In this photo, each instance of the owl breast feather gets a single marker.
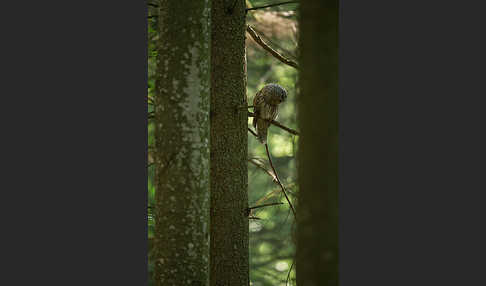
(269, 112)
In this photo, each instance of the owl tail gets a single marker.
(262, 128)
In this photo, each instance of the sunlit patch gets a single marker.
(265, 248)
(280, 146)
(255, 226)
(281, 266)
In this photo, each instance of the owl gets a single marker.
(265, 104)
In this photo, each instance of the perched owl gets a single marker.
(265, 104)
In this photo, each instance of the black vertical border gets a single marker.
(74, 143)
(412, 143)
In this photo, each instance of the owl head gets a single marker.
(274, 93)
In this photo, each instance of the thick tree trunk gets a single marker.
(182, 100)
(229, 169)
(317, 214)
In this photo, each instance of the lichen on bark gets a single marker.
(182, 144)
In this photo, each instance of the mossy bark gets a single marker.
(229, 169)
(182, 99)
(317, 105)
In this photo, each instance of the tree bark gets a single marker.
(229, 151)
(182, 99)
(317, 103)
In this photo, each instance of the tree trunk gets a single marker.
(317, 103)
(229, 169)
(182, 100)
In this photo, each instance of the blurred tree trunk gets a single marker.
(317, 103)
(182, 98)
(229, 154)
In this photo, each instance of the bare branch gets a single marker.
(278, 180)
(250, 209)
(252, 132)
(270, 5)
(272, 193)
(277, 46)
(265, 205)
(288, 274)
(260, 165)
(276, 123)
(264, 45)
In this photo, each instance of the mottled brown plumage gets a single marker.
(265, 104)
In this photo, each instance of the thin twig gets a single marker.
(260, 165)
(151, 115)
(269, 195)
(265, 205)
(270, 42)
(278, 180)
(288, 275)
(253, 217)
(264, 45)
(153, 5)
(270, 5)
(252, 132)
(276, 123)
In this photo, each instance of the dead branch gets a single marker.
(278, 181)
(288, 274)
(276, 123)
(252, 132)
(250, 209)
(264, 45)
(260, 165)
(265, 205)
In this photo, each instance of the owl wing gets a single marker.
(257, 103)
